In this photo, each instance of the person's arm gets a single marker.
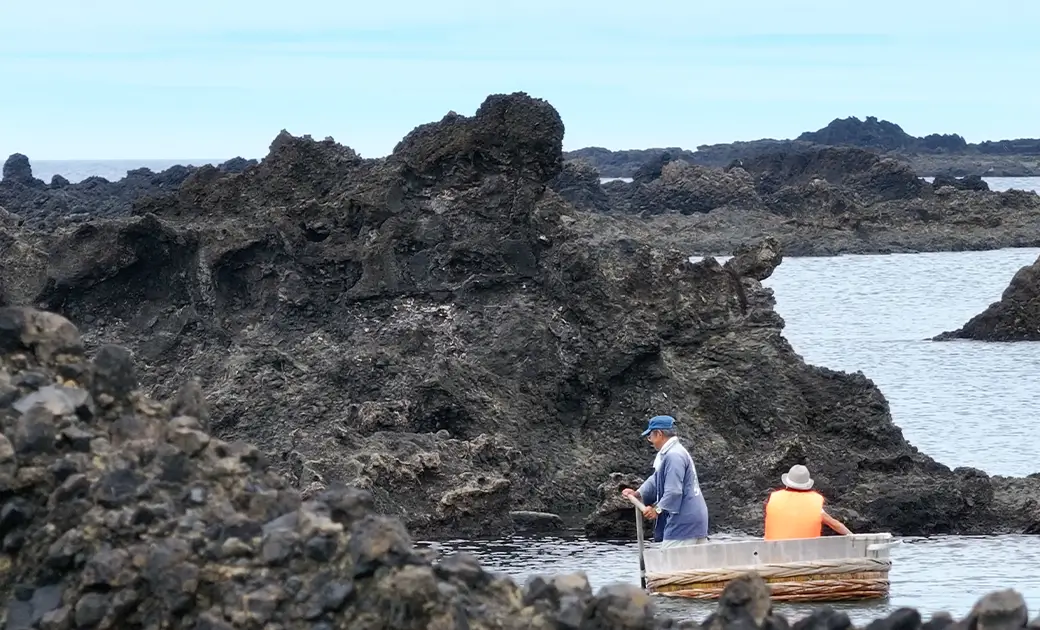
(835, 524)
(647, 492)
(671, 494)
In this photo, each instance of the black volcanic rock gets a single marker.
(675, 186)
(930, 155)
(652, 168)
(971, 182)
(879, 135)
(818, 201)
(579, 184)
(874, 178)
(625, 162)
(18, 171)
(119, 514)
(62, 202)
(756, 262)
(441, 329)
(1015, 317)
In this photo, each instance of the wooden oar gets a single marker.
(639, 535)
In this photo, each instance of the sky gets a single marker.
(125, 79)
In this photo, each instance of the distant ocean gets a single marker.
(112, 170)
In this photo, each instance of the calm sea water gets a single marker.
(965, 403)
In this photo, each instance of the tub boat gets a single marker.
(824, 569)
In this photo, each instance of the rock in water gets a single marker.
(1015, 317)
(615, 516)
(441, 329)
(1001, 610)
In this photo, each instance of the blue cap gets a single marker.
(659, 422)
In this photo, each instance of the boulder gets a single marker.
(18, 171)
(756, 261)
(615, 518)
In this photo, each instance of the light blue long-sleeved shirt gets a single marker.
(674, 488)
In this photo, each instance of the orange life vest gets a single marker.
(792, 514)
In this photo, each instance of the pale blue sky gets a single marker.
(216, 78)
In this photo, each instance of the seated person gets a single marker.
(797, 510)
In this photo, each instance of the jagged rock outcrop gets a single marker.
(579, 184)
(756, 262)
(880, 135)
(1015, 317)
(46, 206)
(119, 514)
(121, 511)
(441, 329)
(868, 176)
(614, 517)
(626, 162)
(675, 186)
(819, 201)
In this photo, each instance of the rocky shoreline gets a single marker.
(445, 331)
(815, 202)
(46, 205)
(930, 156)
(121, 511)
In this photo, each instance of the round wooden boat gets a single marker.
(823, 569)
(829, 568)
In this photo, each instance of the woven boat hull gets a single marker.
(795, 570)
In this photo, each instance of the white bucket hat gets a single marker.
(797, 478)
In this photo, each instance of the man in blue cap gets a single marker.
(672, 494)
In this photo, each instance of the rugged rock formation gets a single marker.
(1015, 317)
(614, 518)
(123, 512)
(973, 182)
(578, 184)
(683, 188)
(931, 155)
(880, 135)
(443, 330)
(59, 202)
(864, 173)
(626, 162)
(770, 180)
(819, 202)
